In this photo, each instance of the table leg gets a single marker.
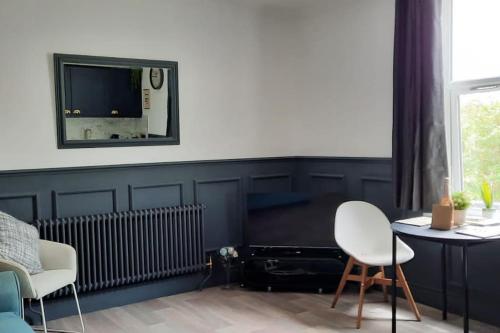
(444, 282)
(466, 287)
(394, 287)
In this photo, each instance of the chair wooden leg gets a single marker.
(384, 287)
(343, 280)
(407, 291)
(362, 289)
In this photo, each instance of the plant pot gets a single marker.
(488, 213)
(459, 217)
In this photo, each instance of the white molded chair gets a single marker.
(59, 264)
(365, 234)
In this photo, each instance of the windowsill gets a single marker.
(476, 209)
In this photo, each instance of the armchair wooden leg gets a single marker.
(407, 291)
(362, 289)
(384, 287)
(343, 280)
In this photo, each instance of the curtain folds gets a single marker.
(419, 140)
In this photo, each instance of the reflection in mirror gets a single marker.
(116, 104)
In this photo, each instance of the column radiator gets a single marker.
(118, 249)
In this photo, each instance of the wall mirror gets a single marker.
(107, 102)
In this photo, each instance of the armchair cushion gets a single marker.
(19, 242)
(59, 264)
(10, 323)
(10, 297)
(55, 255)
(27, 289)
(10, 305)
(50, 281)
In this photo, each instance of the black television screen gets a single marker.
(292, 219)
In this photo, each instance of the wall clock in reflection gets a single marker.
(156, 77)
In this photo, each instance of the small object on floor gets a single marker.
(228, 254)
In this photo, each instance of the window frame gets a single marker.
(458, 89)
(452, 92)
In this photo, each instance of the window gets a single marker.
(474, 91)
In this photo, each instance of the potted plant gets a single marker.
(460, 204)
(487, 196)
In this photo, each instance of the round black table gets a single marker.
(449, 237)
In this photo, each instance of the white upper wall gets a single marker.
(216, 42)
(347, 78)
(256, 78)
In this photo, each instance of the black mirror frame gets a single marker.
(173, 137)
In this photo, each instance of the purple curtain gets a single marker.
(418, 141)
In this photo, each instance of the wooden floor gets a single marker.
(238, 310)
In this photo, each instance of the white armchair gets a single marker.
(60, 268)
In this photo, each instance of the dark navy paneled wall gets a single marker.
(222, 185)
(367, 179)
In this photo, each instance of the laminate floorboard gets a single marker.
(243, 311)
